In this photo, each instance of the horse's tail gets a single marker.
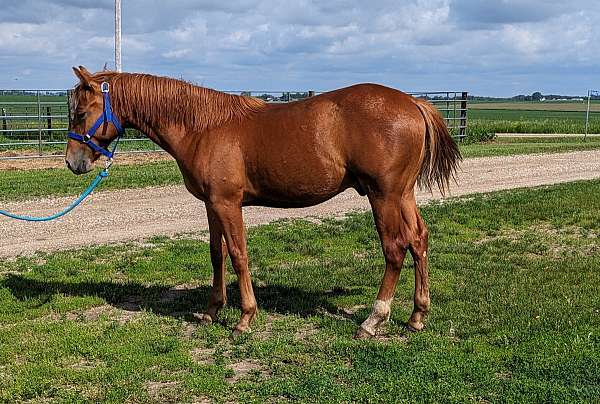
(442, 155)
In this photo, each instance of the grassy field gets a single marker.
(133, 142)
(32, 98)
(28, 184)
(532, 117)
(14, 137)
(560, 106)
(515, 313)
(515, 146)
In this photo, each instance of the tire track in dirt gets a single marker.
(118, 216)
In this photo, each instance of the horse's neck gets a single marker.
(176, 114)
(168, 135)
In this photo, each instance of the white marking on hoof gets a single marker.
(379, 315)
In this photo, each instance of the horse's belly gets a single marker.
(298, 186)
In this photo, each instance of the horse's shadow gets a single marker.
(179, 301)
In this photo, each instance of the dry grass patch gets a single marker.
(203, 356)
(244, 368)
(559, 241)
(163, 391)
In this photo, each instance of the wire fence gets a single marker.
(34, 123)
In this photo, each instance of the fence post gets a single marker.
(462, 132)
(587, 115)
(49, 122)
(4, 122)
(39, 105)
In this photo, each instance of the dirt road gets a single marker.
(118, 216)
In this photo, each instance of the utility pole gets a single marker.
(118, 66)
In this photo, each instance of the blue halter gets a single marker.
(106, 117)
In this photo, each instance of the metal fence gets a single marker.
(33, 123)
(453, 107)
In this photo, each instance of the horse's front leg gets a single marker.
(229, 216)
(218, 257)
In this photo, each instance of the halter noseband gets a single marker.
(106, 117)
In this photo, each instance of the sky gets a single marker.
(495, 48)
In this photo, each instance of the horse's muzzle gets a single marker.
(81, 167)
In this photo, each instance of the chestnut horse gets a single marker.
(236, 151)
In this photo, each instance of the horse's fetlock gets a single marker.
(422, 304)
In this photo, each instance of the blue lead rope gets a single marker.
(102, 175)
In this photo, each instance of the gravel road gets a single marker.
(117, 216)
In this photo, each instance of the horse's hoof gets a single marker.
(237, 332)
(413, 327)
(203, 318)
(361, 333)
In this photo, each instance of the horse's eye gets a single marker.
(80, 116)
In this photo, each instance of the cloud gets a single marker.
(488, 47)
(177, 53)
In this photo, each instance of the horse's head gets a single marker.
(87, 107)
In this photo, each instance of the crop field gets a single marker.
(515, 313)
(558, 106)
(532, 117)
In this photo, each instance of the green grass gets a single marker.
(515, 146)
(530, 121)
(28, 184)
(580, 106)
(132, 141)
(515, 313)
(31, 98)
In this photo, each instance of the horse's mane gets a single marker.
(167, 100)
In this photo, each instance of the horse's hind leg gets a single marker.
(390, 226)
(418, 250)
(400, 228)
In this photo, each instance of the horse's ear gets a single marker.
(85, 71)
(83, 75)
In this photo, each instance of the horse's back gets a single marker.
(305, 152)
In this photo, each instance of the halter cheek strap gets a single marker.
(106, 117)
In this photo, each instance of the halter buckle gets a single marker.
(104, 87)
(87, 138)
(108, 163)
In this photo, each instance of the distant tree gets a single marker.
(536, 96)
